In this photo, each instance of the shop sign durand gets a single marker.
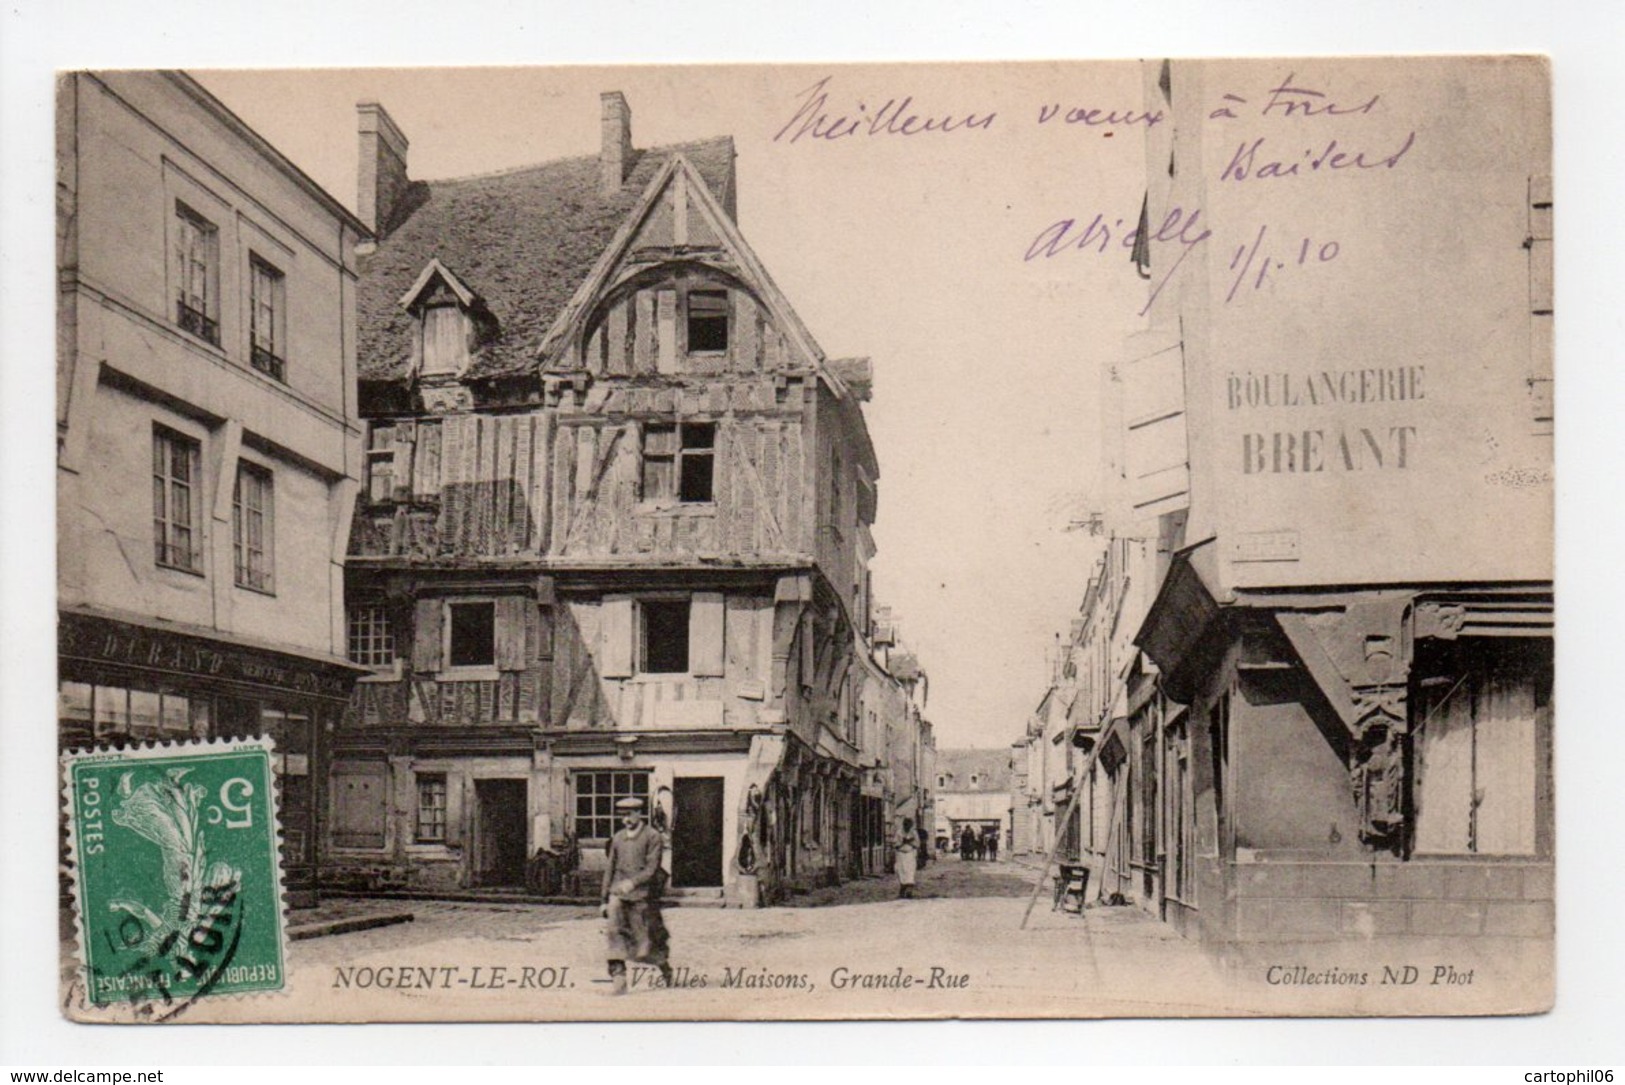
(95, 640)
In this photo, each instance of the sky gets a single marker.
(910, 250)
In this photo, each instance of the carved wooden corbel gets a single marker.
(1360, 659)
(1443, 621)
(1377, 763)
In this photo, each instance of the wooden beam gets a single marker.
(1319, 665)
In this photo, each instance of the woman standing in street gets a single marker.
(908, 855)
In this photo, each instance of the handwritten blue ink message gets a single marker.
(1266, 253)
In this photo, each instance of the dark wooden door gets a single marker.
(500, 849)
(696, 841)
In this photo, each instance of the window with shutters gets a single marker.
(663, 643)
(662, 635)
(679, 462)
(471, 634)
(403, 462)
(359, 810)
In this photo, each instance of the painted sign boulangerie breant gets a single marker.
(478, 601)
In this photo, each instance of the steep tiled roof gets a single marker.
(990, 767)
(522, 240)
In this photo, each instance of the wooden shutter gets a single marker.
(542, 618)
(454, 809)
(380, 462)
(511, 632)
(405, 437)
(541, 635)
(615, 638)
(1156, 459)
(359, 805)
(426, 636)
(705, 631)
(426, 463)
(1540, 303)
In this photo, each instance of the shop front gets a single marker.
(124, 681)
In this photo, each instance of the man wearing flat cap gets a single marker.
(633, 882)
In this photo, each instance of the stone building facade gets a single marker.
(208, 449)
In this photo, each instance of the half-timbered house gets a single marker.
(613, 535)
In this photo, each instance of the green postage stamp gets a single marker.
(176, 874)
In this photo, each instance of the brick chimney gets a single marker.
(381, 174)
(615, 153)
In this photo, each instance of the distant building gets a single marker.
(208, 453)
(973, 791)
(896, 745)
(613, 539)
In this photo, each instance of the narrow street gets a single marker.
(956, 950)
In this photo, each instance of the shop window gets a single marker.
(267, 308)
(707, 321)
(431, 821)
(1476, 758)
(371, 640)
(197, 274)
(73, 701)
(664, 636)
(596, 795)
(119, 712)
(679, 462)
(471, 634)
(111, 711)
(174, 501)
(251, 527)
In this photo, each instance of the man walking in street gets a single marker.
(633, 884)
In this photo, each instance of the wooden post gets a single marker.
(1077, 790)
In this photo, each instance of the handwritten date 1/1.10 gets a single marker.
(1251, 263)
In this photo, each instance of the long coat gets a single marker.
(636, 929)
(634, 860)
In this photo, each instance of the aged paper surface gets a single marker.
(1193, 659)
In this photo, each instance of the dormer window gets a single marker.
(707, 321)
(445, 336)
(452, 321)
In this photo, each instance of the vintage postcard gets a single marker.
(991, 540)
